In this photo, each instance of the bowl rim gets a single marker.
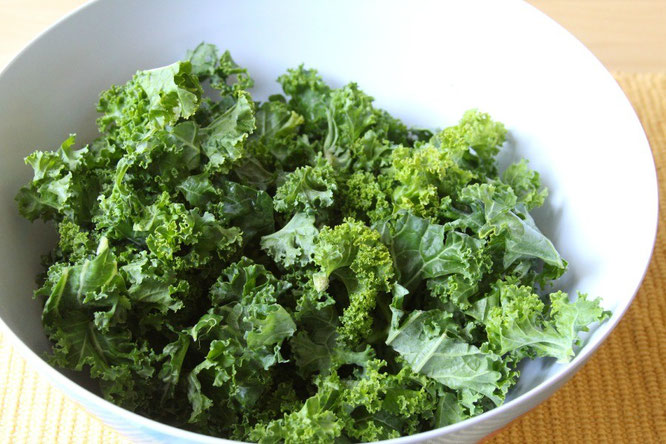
(66, 385)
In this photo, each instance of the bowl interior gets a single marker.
(425, 62)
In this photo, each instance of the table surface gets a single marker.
(626, 35)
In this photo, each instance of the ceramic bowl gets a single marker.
(425, 62)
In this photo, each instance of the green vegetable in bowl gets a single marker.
(306, 269)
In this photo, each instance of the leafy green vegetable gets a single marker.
(430, 347)
(422, 250)
(294, 243)
(307, 269)
(521, 325)
(355, 255)
(308, 188)
(223, 138)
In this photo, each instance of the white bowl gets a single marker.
(425, 62)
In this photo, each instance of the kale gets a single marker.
(307, 269)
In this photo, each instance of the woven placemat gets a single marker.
(619, 396)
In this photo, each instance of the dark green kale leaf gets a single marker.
(421, 250)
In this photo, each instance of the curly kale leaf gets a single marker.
(354, 254)
(223, 139)
(431, 349)
(308, 188)
(522, 325)
(495, 213)
(421, 250)
(247, 208)
(243, 331)
(525, 184)
(61, 188)
(473, 143)
(294, 243)
(308, 97)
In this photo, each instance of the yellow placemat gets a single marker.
(619, 396)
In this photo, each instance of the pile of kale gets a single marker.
(304, 269)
